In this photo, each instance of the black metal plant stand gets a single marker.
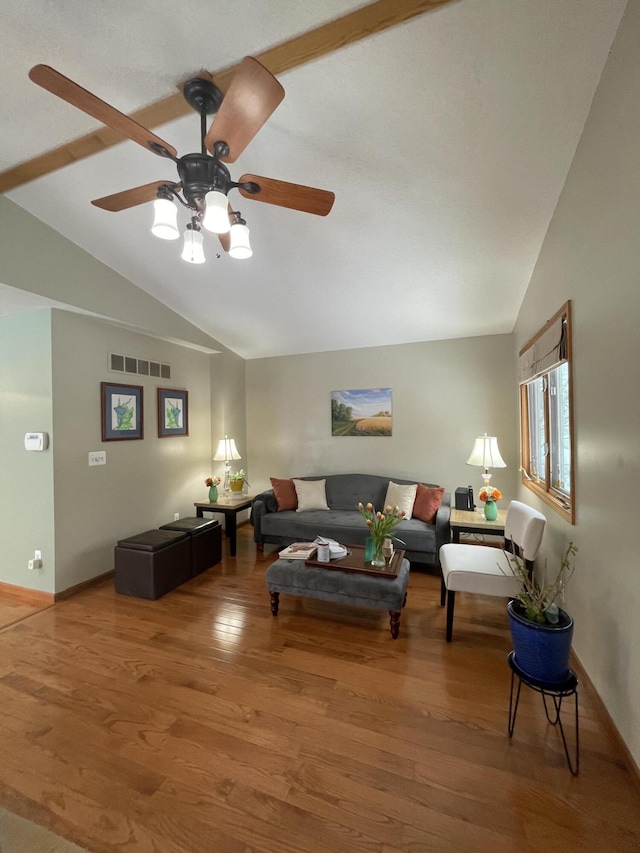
(554, 691)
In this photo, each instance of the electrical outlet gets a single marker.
(97, 457)
(37, 554)
(176, 516)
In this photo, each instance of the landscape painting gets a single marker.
(361, 412)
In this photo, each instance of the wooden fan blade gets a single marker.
(131, 198)
(59, 85)
(295, 196)
(253, 96)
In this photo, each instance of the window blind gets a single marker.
(546, 352)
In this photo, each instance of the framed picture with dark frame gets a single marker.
(173, 412)
(121, 410)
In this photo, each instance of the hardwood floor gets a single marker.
(200, 723)
(15, 606)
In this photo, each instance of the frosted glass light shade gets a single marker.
(216, 215)
(485, 453)
(165, 222)
(193, 251)
(240, 247)
(226, 450)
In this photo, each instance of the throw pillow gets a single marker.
(285, 493)
(427, 501)
(401, 496)
(311, 494)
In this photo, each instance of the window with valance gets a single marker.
(546, 414)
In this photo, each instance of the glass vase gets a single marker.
(378, 556)
(213, 494)
(491, 510)
(369, 549)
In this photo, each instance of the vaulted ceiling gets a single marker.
(446, 138)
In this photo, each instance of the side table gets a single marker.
(555, 692)
(466, 521)
(229, 507)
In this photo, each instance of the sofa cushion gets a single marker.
(285, 492)
(427, 502)
(400, 496)
(312, 495)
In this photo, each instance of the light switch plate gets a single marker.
(97, 457)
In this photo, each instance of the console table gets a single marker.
(229, 507)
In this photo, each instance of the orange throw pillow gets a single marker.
(427, 502)
(285, 492)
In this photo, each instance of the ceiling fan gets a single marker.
(204, 180)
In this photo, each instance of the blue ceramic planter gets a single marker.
(542, 651)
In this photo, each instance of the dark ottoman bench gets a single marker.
(205, 536)
(152, 563)
(359, 590)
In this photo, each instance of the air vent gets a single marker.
(139, 366)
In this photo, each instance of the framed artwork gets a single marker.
(173, 412)
(121, 407)
(361, 412)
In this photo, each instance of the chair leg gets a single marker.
(443, 591)
(451, 603)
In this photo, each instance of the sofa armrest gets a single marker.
(443, 531)
(262, 504)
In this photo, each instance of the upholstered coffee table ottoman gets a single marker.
(377, 591)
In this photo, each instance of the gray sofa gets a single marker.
(343, 520)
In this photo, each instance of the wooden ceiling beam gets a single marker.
(370, 19)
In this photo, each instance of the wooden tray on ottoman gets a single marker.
(355, 563)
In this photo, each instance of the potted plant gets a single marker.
(541, 631)
(237, 481)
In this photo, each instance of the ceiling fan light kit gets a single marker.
(239, 247)
(193, 248)
(204, 179)
(165, 222)
(216, 215)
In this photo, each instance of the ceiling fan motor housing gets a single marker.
(200, 173)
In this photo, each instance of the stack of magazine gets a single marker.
(299, 551)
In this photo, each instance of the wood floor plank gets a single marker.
(199, 722)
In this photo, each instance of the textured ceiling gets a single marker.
(447, 140)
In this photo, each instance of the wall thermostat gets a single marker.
(36, 441)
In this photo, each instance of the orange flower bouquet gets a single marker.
(490, 493)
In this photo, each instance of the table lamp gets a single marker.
(226, 450)
(485, 454)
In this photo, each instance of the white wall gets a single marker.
(26, 478)
(444, 393)
(592, 255)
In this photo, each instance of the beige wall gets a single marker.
(592, 255)
(144, 482)
(444, 393)
(52, 363)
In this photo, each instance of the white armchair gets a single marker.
(485, 570)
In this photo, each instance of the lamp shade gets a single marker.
(193, 250)
(239, 246)
(165, 222)
(485, 453)
(216, 215)
(226, 450)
